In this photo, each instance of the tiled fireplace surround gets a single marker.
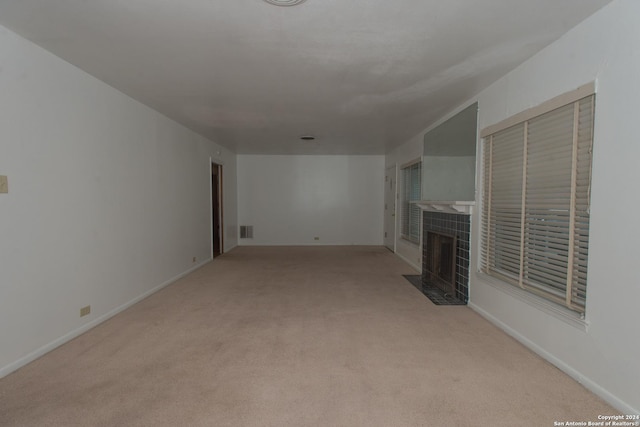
(453, 224)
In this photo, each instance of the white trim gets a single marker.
(554, 309)
(405, 259)
(395, 210)
(211, 203)
(14, 366)
(588, 383)
(448, 206)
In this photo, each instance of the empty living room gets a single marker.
(319, 213)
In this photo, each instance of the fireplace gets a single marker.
(446, 234)
(440, 261)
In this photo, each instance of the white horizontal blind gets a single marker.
(411, 193)
(504, 213)
(536, 203)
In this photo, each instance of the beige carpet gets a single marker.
(313, 336)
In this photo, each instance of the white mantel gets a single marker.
(447, 206)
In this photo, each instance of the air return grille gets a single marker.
(246, 231)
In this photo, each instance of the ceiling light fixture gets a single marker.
(284, 2)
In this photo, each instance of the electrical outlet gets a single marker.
(4, 184)
(316, 238)
(84, 311)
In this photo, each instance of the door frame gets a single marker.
(219, 165)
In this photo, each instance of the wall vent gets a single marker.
(246, 231)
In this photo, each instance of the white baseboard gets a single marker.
(592, 386)
(230, 248)
(412, 264)
(14, 366)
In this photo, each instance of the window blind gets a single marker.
(411, 193)
(535, 214)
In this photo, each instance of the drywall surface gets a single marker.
(409, 151)
(291, 200)
(605, 48)
(108, 200)
(448, 177)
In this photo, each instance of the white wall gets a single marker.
(107, 201)
(605, 357)
(448, 177)
(290, 200)
(407, 152)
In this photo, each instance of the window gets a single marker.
(535, 205)
(411, 192)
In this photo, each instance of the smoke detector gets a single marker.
(284, 2)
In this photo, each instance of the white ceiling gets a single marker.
(361, 75)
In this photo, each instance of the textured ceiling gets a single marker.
(361, 75)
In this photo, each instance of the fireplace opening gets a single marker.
(440, 262)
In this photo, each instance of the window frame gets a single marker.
(487, 258)
(408, 198)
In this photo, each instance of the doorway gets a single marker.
(390, 208)
(216, 210)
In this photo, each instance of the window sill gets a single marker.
(409, 242)
(559, 312)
